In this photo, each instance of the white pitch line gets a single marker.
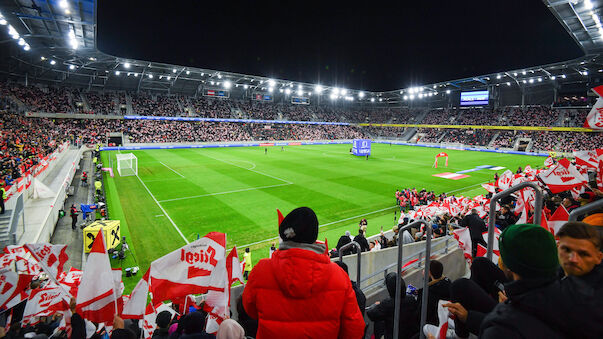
(171, 169)
(323, 225)
(252, 170)
(162, 209)
(225, 192)
(463, 188)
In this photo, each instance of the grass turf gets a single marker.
(237, 191)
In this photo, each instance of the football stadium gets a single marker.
(152, 192)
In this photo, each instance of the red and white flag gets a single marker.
(96, 297)
(71, 280)
(50, 257)
(549, 161)
(558, 219)
(562, 177)
(19, 250)
(482, 251)
(11, 284)
(190, 269)
(25, 266)
(150, 315)
(505, 180)
(135, 307)
(587, 158)
(464, 238)
(45, 301)
(594, 119)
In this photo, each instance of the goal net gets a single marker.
(127, 164)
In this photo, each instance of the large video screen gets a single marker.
(474, 98)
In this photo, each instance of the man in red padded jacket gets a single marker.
(299, 293)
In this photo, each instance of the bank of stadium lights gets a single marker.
(361, 94)
(227, 84)
(447, 91)
(333, 96)
(524, 73)
(174, 70)
(514, 74)
(117, 73)
(318, 89)
(271, 83)
(335, 91)
(169, 78)
(588, 4)
(188, 72)
(271, 89)
(288, 91)
(499, 76)
(563, 76)
(126, 65)
(300, 92)
(585, 73)
(372, 99)
(411, 97)
(150, 76)
(508, 83)
(72, 67)
(280, 90)
(343, 91)
(539, 79)
(531, 81)
(552, 77)
(52, 62)
(524, 81)
(245, 86)
(405, 97)
(136, 75)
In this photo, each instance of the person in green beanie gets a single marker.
(535, 306)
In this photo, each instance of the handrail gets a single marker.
(505, 193)
(14, 220)
(428, 232)
(359, 252)
(585, 209)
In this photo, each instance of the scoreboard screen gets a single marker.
(474, 98)
(262, 97)
(216, 93)
(300, 100)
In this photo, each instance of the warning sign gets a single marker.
(111, 232)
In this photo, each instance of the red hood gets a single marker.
(299, 272)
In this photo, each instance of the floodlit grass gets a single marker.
(237, 191)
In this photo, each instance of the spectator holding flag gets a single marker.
(299, 292)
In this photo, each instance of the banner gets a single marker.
(594, 119)
(111, 234)
(361, 147)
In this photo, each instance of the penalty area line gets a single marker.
(163, 210)
(171, 169)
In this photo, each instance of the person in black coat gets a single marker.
(360, 297)
(361, 240)
(439, 289)
(384, 310)
(162, 320)
(344, 240)
(476, 227)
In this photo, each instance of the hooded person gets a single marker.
(193, 325)
(299, 292)
(162, 320)
(383, 311)
(230, 329)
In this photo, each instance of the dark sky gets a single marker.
(372, 46)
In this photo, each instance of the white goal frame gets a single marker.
(127, 164)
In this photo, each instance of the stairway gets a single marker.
(493, 139)
(5, 228)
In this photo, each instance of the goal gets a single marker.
(127, 164)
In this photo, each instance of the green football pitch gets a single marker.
(185, 193)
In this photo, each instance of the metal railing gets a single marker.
(17, 217)
(359, 253)
(585, 209)
(503, 194)
(428, 233)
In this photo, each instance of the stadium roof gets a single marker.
(55, 40)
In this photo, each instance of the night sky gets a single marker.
(372, 46)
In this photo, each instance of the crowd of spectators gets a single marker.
(100, 103)
(505, 139)
(430, 134)
(210, 107)
(478, 137)
(156, 104)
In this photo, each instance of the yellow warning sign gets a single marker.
(110, 231)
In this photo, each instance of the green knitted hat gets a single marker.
(529, 250)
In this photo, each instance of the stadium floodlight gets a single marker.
(588, 4)
(129, 73)
(498, 76)
(117, 72)
(21, 42)
(42, 58)
(127, 164)
(412, 97)
(271, 83)
(420, 95)
(563, 76)
(372, 99)
(435, 93)
(524, 81)
(508, 83)
(405, 97)
(343, 91)
(531, 81)
(380, 99)
(72, 67)
(280, 90)
(127, 65)
(585, 73)
(219, 76)
(174, 71)
(188, 72)
(420, 89)
(447, 91)
(300, 92)
(299, 86)
(288, 91)
(169, 78)
(271, 89)
(150, 76)
(430, 94)
(361, 94)
(136, 75)
(523, 72)
(160, 77)
(318, 88)
(227, 84)
(212, 83)
(514, 74)
(335, 91)
(52, 62)
(434, 86)
(333, 96)
(63, 4)
(539, 79)
(26, 47)
(3, 21)
(309, 94)
(245, 86)
(290, 84)
(552, 77)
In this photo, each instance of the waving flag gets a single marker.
(96, 297)
(50, 257)
(136, 305)
(562, 177)
(45, 301)
(549, 161)
(505, 180)
(11, 284)
(587, 158)
(594, 119)
(19, 250)
(190, 269)
(558, 219)
(71, 280)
